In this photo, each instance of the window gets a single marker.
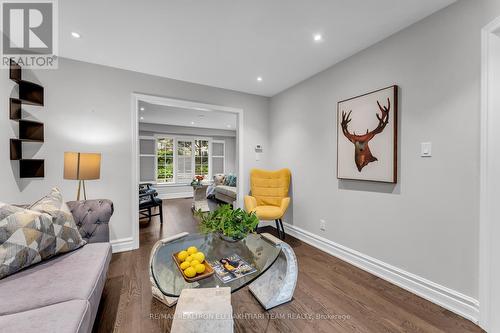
(165, 160)
(184, 161)
(179, 159)
(201, 158)
(218, 152)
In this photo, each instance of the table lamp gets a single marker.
(82, 167)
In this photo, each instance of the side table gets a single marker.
(200, 201)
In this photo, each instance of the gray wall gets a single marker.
(428, 223)
(88, 108)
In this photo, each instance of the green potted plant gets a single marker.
(231, 224)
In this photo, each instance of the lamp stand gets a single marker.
(81, 183)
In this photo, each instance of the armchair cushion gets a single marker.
(266, 212)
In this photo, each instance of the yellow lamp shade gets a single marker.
(82, 166)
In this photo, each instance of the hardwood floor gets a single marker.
(331, 295)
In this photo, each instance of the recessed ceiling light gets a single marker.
(318, 38)
(142, 109)
(75, 34)
(192, 123)
(259, 78)
(142, 118)
(228, 126)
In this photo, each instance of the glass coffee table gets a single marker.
(273, 260)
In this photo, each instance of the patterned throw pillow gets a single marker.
(218, 179)
(26, 237)
(232, 182)
(68, 236)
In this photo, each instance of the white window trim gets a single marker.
(175, 139)
(223, 142)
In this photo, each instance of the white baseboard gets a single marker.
(452, 300)
(178, 195)
(122, 244)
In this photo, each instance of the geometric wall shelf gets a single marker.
(31, 168)
(30, 93)
(16, 149)
(15, 73)
(15, 109)
(29, 131)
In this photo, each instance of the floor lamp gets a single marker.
(82, 167)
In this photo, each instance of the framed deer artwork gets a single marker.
(367, 128)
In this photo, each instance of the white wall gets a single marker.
(88, 108)
(428, 223)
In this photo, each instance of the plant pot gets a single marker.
(227, 238)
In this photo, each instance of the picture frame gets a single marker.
(367, 136)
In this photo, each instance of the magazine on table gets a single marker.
(231, 268)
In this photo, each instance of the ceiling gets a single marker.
(229, 43)
(168, 115)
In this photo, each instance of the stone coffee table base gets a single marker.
(274, 287)
(277, 285)
(169, 301)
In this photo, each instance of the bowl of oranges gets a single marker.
(192, 264)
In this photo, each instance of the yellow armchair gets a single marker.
(269, 199)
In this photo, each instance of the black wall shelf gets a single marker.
(15, 73)
(31, 168)
(30, 93)
(29, 131)
(16, 149)
(15, 109)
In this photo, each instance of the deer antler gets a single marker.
(382, 120)
(346, 119)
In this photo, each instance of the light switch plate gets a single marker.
(426, 149)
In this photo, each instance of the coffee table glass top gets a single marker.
(255, 250)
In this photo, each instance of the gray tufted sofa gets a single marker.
(62, 294)
(92, 218)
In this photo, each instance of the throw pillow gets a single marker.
(218, 179)
(65, 229)
(232, 181)
(227, 180)
(26, 238)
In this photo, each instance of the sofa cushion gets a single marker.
(227, 190)
(68, 236)
(78, 275)
(72, 316)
